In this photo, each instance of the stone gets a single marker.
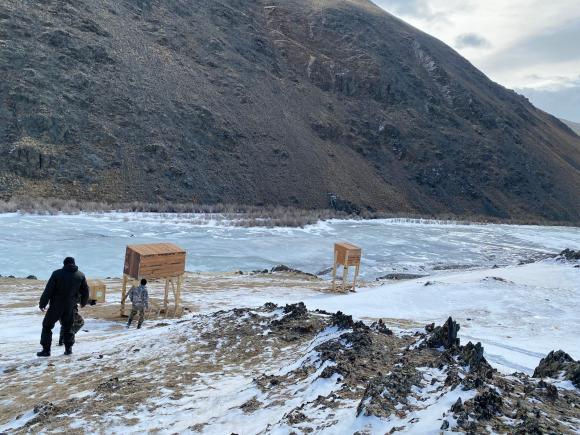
(457, 406)
(444, 336)
(344, 321)
(556, 363)
(487, 404)
(400, 276)
(570, 255)
(473, 356)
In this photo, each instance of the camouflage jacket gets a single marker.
(139, 296)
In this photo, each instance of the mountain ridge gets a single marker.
(267, 102)
(575, 126)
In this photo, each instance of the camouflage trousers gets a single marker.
(78, 323)
(134, 311)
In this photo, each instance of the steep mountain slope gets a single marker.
(573, 125)
(266, 102)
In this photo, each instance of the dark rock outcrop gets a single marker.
(400, 276)
(558, 363)
(344, 321)
(444, 336)
(570, 255)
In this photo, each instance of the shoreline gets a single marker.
(270, 216)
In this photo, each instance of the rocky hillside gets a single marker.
(573, 125)
(266, 102)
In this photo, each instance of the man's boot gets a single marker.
(68, 350)
(45, 352)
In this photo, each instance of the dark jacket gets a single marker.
(64, 289)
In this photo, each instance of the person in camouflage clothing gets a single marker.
(139, 297)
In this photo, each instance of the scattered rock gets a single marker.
(570, 255)
(113, 385)
(444, 336)
(383, 393)
(284, 268)
(556, 363)
(295, 310)
(270, 306)
(400, 276)
(453, 267)
(550, 390)
(295, 417)
(445, 425)
(32, 277)
(473, 356)
(381, 327)
(251, 405)
(457, 406)
(487, 404)
(495, 278)
(324, 271)
(43, 411)
(344, 321)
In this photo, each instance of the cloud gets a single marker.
(419, 8)
(529, 45)
(471, 40)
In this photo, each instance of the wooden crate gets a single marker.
(154, 261)
(342, 249)
(97, 290)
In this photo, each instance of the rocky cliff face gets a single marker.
(266, 102)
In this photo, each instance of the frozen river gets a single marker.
(33, 244)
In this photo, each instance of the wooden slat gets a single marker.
(344, 251)
(154, 260)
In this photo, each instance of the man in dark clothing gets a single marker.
(63, 290)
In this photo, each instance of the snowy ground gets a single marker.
(518, 312)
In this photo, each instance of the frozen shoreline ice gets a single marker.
(36, 244)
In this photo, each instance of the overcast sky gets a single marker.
(532, 46)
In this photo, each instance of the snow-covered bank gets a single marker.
(279, 370)
(519, 313)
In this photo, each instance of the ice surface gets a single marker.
(32, 244)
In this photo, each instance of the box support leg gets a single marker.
(166, 297)
(355, 277)
(124, 294)
(334, 271)
(178, 296)
(345, 274)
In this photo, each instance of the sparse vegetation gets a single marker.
(242, 215)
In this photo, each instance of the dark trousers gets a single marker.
(66, 320)
(134, 311)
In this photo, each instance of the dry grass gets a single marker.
(247, 215)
